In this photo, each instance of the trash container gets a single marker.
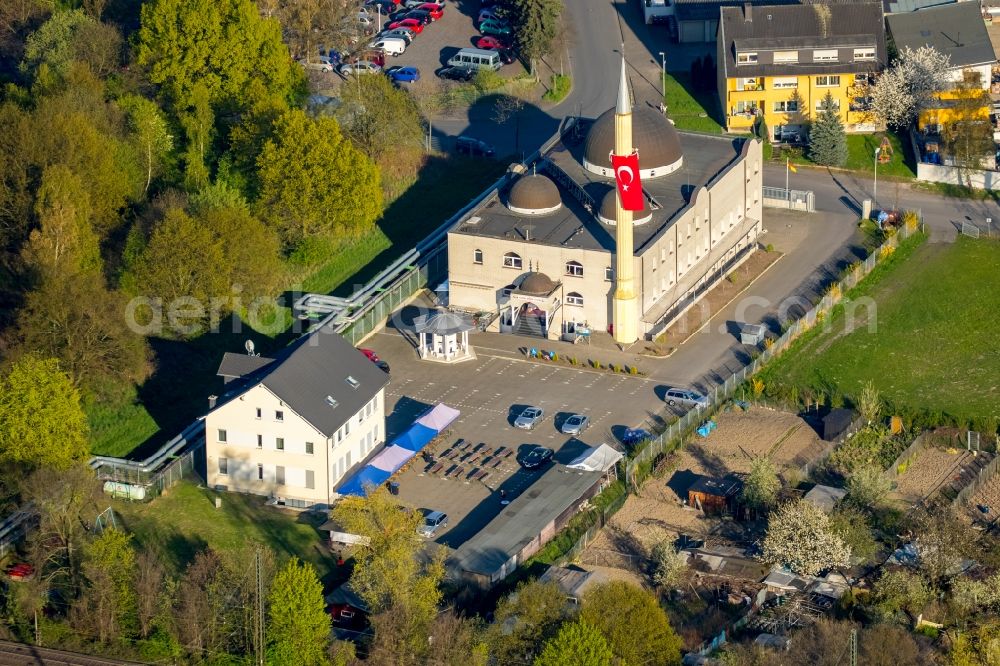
(393, 488)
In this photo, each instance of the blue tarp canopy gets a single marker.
(365, 476)
(416, 437)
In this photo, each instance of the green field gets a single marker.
(691, 109)
(861, 155)
(182, 522)
(934, 349)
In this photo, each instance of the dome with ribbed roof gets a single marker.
(537, 284)
(534, 194)
(653, 136)
(607, 212)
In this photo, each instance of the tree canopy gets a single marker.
(827, 140)
(524, 620)
(633, 623)
(298, 628)
(537, 24)
(576, 644)
(760, 491)
(800, 538)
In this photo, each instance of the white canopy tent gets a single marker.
(598, 459)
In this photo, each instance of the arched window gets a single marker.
(512, 260)
(477, 256)
(574, 268)
(573, 298)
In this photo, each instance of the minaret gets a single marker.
(626, 302)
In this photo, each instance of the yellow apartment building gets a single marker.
(780, 61)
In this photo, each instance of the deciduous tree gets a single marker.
(41, 421)
(909, 86)
(107, 607)
(72, 36)
(900, 590)
(827, 140)
(524, 620)
(150, 133)
(867, 488)
(298, 628)
(632, 622)
(314, 183)
(800, 538)
(669, 566)
(760, 491)
(576, 644)
(852, 526)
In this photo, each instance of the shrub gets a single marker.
(633, 370)
(732, 278)
(561, 84)
(769, 248)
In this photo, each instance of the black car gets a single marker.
(457, 73)
(536, 457)
(420, 15)
(383, 366)
(474, 147)
(386, 6)
(507, 56)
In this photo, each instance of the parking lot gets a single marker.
(490, 392)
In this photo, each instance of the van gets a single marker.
(391, 45)
(476, 59)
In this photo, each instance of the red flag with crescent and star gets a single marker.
(627, 177)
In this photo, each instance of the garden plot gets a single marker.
(925, 474)
(988, 496)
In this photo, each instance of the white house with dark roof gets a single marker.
(291, 427)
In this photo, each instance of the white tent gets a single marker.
(598, 459)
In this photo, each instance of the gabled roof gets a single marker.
(956, 30)
(780, 27)
(235, 366)
(727, 486)
(320, 376)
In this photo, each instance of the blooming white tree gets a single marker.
(909, 86)
(799, 537)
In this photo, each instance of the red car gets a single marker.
(491, 44)
(435, 10)
(370, 355)
(21, 572)
(413, 24)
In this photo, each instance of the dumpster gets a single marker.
(752, 334)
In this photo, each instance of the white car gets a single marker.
(360, 67)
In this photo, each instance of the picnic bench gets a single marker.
(447, 453)
(456, 471)
(434, 468)
(496, 463)
(462, 445)
(480, 474)
(480, 447)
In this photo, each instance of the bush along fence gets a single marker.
(904, 459)
(642, 463)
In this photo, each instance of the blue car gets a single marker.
(403, 74)
(634, 436)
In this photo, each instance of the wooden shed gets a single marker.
(715, 494)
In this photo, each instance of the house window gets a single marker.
(309, 448)
(746, 58)
(752, 83)
(864, 54)
(477, 257)
(260, 472)
(574, 268)
(573, 298)
(222, 435)
(785, 82)
(260, 441)
(310, 479)
(512, 260)
(786, 56)
(259, 412)
(608, 274)
(340, 436)
(826, 55)
(279, 416)
(347, 429)
(279, 475)
(821, 104)
(828, 81)
(786, 106)
(223, 466)
(279, 443)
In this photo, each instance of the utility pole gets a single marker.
(663, 75)
(258, 611)
(854, 647)
(875, 186)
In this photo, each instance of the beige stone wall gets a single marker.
(250, 447)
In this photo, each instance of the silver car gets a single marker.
(360, 67)
(433, 521)
(402, 33)
(676, 396)
(529, 418)
(575, 424)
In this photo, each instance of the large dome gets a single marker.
(608, 210)
(534, 194)
(653, 136)
(537, 284)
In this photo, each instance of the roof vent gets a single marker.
(475, 219)
(747, 16)
(352, 382)
(330, 401)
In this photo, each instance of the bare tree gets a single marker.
(149, 590)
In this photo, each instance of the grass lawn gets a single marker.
(182, 522)
(934, 348)
(691, 109)
(861, 155)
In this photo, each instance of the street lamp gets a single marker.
(663, 75)
(875, 186)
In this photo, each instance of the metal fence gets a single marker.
(672, 438)
(779, 197)
(602, 519)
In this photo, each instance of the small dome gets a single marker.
(653, 136)
(607, 212)
(534, 194)
(537, 284)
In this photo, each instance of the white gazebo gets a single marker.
(444, 337)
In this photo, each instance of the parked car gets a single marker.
(433, 521)
(413, 4)
(383, 366)
(319, 64)
(420, 15)
(402, 33)
(507, 56)
(410, 23)
(370, 354)
(393, 46)
(491, 43)
(456, 73)
(360, 67)
(385, 6)
(493, 12)
(575, 424)
(474, 147)
(634, 436)
(435, 10)
(536, 457)
(403, 74)
(676, 396)
(495, 27)
(20, 572)
(529, 418)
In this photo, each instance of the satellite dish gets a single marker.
(249, 347)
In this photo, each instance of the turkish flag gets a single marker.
(627, 177)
